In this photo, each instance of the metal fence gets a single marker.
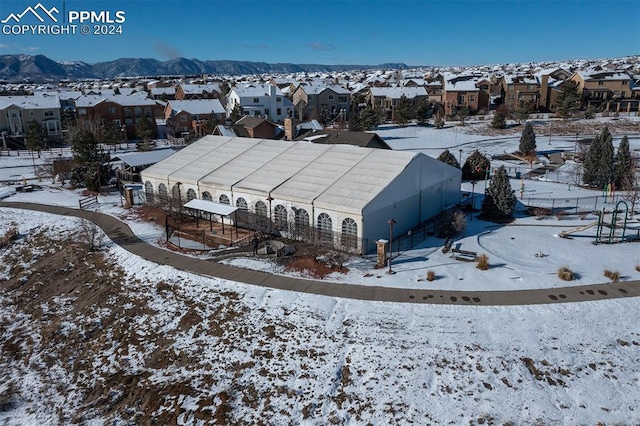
(574, 205)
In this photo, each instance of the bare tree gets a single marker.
(631, 190)
(90, 234)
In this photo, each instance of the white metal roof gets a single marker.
(241, 166)
(177, 162)
(211, 207)
(338, 177)
(135, 159)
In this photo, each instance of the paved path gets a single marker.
(121, 234)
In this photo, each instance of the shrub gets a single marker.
(638, 267)
(565, 274)
(483, 262)
(561, 214)
(541, 212)
(614, 276)
(431, 275)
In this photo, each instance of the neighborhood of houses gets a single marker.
(277, 146)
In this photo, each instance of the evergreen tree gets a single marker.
(403, 111)
(462, 113)
(448, 158)
(422, 111)
(527, 140)
(146, 129)
(598, 168)
(499, 199)
(35, 136)
(85, 148)
(369, 118)
(111, 133)
(499, 121)
(236, 113)
(90, 159)
(476, 166)
(355, 122)
(568, 100)
(623, 169)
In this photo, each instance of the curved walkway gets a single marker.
(122, 235)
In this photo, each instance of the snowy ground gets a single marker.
(300, 359)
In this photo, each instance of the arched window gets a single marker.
(148, 192)
(191, 194)
(206, 195)
(280, 216)
(241, 203)
(349, 236)
(261, 208)
(325, 227)
(175, 192)
(223, 199)
(163, 195)
(302, 219)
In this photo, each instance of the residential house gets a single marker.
(118, 109)
(198, 91)
(162, 93)
(550, 86)
(314, 101)
(387, 97)
(260, 100)
(520, 90)
(470, 90)
(17, 111)
(190, 115)
(434, 90)
(249, 127)
(607, 90)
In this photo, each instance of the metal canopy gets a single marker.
(211, 207)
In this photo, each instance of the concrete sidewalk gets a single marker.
(120, 233)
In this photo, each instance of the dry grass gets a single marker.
(541, 212)
(565, 274)
(431, 275)
(483, 262)
(614, 276)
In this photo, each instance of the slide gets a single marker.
(566, 233)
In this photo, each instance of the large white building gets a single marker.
(336, 191)
(260, 100)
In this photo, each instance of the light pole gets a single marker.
(473, 194)
(460, 157)
(391, 222)
(270, 199)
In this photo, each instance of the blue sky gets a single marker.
(360, 32)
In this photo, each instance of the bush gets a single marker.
(431, 275)
(560, 214)
(565, 274)
(614, 276)
(638, 267)
(483, 262)
(541, 212)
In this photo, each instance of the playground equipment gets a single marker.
(565, 234)
(612, 226)
(601, 237)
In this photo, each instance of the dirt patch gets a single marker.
(557, 127)
(310, 266)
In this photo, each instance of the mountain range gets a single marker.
(39, 68)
